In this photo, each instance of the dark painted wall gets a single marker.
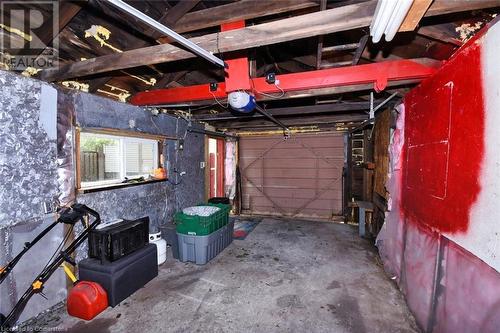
(28, 172)
(159, 201)
(37, 166)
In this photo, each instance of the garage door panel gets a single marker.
(297, 193)
(303, 163)
(305, 213)
(315, 141)
(259, 143)
(334, 153)
(323, 141)
(299, 176)
(293, 173)
(288, 184)
(290, 203)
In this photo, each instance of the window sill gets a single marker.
(116, 186)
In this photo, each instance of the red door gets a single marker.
(216, 156)
(212, 165)
(220, 167)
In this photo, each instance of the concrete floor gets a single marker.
(286, 276)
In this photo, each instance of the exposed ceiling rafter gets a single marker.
(324, 22)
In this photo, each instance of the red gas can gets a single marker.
(86, 300)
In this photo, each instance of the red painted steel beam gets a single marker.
(377, 73)
(237, 74)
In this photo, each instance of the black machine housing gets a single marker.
(117, 240)
(70, 216)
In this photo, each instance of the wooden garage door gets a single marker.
(298, 176)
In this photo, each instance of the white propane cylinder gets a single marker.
(161, 246)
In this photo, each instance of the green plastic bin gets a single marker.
(223, 207)
(200, 225)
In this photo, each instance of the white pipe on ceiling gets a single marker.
(381, 18)
(167, 31)
(397, 18)
(388, 17)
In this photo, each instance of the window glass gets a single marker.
(109, 159)
(139, 158)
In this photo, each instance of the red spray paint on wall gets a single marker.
(426, 240)
(444, 144)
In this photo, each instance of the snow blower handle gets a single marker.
(69, 216)
(76, 213)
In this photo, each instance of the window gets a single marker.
(110, 159)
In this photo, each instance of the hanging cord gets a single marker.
(59, 247)
(178, 182)
(215, 98)
(155, 125)
(221, 55)
(269, 95)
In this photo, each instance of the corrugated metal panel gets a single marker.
(299, 176)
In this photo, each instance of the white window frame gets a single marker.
(122, 139)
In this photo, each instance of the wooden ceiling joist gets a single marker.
(415, 14)
(177, 12)
(67, 10)
(328, 21)
(450, 35)
(240, 10)
(303, 26)
(169, 18)
(294, 111)
(294, 121)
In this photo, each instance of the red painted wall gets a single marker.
(444, 263)
(444, 128)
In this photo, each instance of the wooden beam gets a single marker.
(294, 111)
(360, 49)
(319, 51)
(343, 47)
(179, 11)
(326, 64)
(328, 21)
(295, 121)
(170, 78)
(415, 14)
(67, 10)
(441, 34)
(169, 18)
(324, 22)
(240, 10)
(442, 7)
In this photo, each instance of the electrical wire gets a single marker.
(156, 126)
(269, 95)
(215, 98)
(177, 183)
(59, 247)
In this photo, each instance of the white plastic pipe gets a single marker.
(381, 18)
(388, 17)
(169, 32)
(374, 24)
(398, 15)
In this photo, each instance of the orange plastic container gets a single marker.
(86, 300)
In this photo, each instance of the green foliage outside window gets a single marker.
(96, 144)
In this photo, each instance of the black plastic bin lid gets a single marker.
(219, 200)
